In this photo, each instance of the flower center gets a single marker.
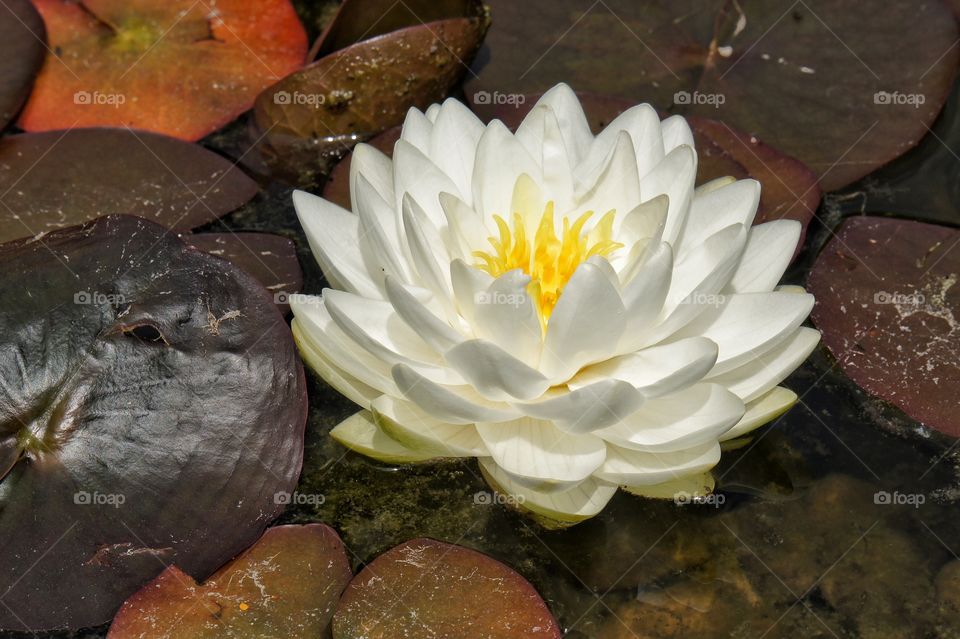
(549, 260)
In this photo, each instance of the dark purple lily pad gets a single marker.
(888, 306)
(272, 259)
(153, 404)
(57, 179)
(21, 55)
(816, 79)
(285, 585)
(426, 589)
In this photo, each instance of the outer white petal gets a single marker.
(585, 325)
(418, 431)
(427, 251)
(761, 411)
(345, 383)
(453, 143)
(431, 329)
(657, 370)
(574, 128)
(744, 325)
(495, 374)
(711, 212)
(333, 234)
(761, 374)
(378, 238)
(537, 449)
(675, 177)
(676, 132)
(359, 433)
(692, 417)
(635, 468)
(374, 165)
(588, 408)
(417, 129)
(505, 315)
(501, 159)
(452, 404)
(768, 251)
(582, 501)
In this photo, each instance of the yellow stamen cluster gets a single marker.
(549, 260)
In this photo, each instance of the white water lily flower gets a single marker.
(565, 307)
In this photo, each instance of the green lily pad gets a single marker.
(285, 585)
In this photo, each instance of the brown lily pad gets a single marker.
(815, 79)
(171, 66)
(272, 259)
(367, 87)
(888, 306)
(285, 585)
(21, 55)
(152, 411)
(57, 179)
(429, 589)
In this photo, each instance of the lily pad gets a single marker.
(286, 585)
(429, 589)
(57, 179)
(889, 307)
(272, 259)
(815, 79)
(21, 55)
(172, 66)
(367, 87)
(153, 406)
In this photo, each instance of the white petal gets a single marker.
(646, 220)
(426, 250)
(431, 329)
(416, 130)
(409, 425)
(675, 177)
(359, 433)
(505, 315)
(617, 186)
(768, 251)
(714, 211)
(452, 404)
(432, 112)
(469, 286)
(643, 125)
(695, 416)
(762, 410)
(374, 165)
(541, 135)
(501, 159)
(744, 325)
(378, 238)
(635, 468)
(345, 383)
(495, 373)
(681, 490)
(644, 295)
(333, 234)
(585, 325)
(588, 408)
(755, 378)
(453, 143)
(582, 501)
(465, 230)
(537, 449)
(657, 370)
(416, 175)
(575, 130)
(676, 132)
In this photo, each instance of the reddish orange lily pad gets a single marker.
(426, 589)
(285, 585)
(889, 308)
(21, 54)
(56, 179)
(178, 67)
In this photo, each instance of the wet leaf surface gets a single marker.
(286, 585)
(60, 178)
(323, 110)
(272, 259)
(176, 67)
(887, 304)
(155, 404)
(21, 55)
(816, 79)
(444, 591)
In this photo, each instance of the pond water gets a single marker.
(838, 520)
